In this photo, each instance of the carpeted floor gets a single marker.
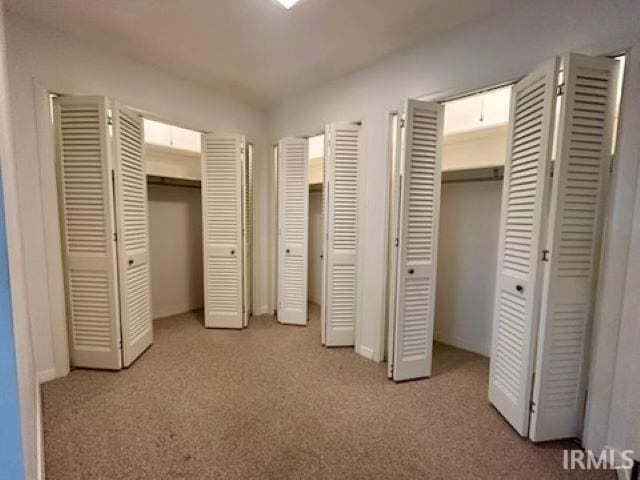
(270, 402)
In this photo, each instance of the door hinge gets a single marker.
(109, 120)
(532, 406)
(611, 164)
(115, 236)
(551, 168)
(402, 123)
(560, 89)
(545, 255)
(397, 242)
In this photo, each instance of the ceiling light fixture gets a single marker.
(288, 4)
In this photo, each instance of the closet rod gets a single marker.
(174, 183)
(479, 179)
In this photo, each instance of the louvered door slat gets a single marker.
(222, 157)
(523, 204)
(342, 168)
(293, 210)
(575, 228)
(417, 252)
(247, 216)
(133, 230)
(85, 191)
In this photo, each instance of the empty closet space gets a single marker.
(172, 160)
(316, 224)
(473, 154)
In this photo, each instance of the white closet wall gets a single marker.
(469, 227)
(316, 231)
(175, 231)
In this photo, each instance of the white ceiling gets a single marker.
(255, 49)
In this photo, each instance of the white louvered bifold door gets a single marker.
(132, 220)
(580, 180)
(293, 213)
(86, 200)
(418, 242)
(342, 169)
(247, 226)
(526, 178)
(222, 157)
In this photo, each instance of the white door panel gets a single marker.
(293, 212)
(89, 250)
(341, 256)
(133, 230)
(417, 251)
(525, 195)
(222, 157)
(580, 180)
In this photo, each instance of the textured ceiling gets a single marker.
(255, 49)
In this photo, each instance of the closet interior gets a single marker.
(513, 181)
(316, 223)
(474, 148)
(155, 220)
(172, 160)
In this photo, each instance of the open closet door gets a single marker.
(525, 194)
(133, 234)
(247, 225)
(341, 276)
(86, 200)
(580, 180)
(222, 158)
(293, 214)
(417, 251)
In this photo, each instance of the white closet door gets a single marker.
(395, 134)
(581, 176)
(245, 240)
(293, 214)
(246, 237)
(342, 167)
(525, 194)
(222, 157)
(323, 255)
(86, 200)
(418, 243)
(132, 221)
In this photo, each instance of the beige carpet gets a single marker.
(270, 402)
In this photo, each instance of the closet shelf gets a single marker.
(483, 174)
(174, 181)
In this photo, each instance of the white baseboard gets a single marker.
(366, 352)
(46, 375)
(174, 310)
(262, 310)
(464, 345)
